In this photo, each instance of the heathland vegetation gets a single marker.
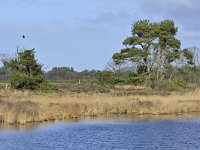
(151, 75)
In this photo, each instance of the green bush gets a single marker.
(26, 73)
(47, 88)
(135, 80)
(170, 85)
(105, 78)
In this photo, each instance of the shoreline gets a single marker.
(26, 107)
(109, 118)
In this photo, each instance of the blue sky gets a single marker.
(84, 34)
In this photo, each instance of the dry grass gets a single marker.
(22, 107)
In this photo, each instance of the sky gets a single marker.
(84, 34)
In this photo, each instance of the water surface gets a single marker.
(106, 132)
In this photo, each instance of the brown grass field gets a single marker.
(26, 107)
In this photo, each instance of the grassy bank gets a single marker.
(25, 107)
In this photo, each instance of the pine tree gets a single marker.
(153, 47)
(26, 73)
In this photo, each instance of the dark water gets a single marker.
(106, 133)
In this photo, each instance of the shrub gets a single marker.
(175, 84)
(26, 73)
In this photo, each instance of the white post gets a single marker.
(79, 81)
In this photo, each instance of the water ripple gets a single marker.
(163, 134)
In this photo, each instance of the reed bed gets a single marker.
(24, 107)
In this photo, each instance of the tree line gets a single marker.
(152, 56)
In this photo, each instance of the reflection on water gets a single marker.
(115, 118)
(106, 132)
(35, 125)
(138, 118)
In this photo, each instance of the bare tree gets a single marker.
(118, 69)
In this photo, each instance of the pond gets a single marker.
(118, 132)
